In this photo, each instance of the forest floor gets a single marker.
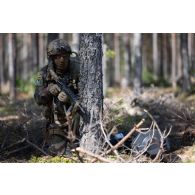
(22, 125)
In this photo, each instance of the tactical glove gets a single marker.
(62, 97)
(53, 89)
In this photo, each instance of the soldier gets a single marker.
(60, 125)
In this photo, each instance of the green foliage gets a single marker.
(149, 79)
(110, 53)
(26, 86)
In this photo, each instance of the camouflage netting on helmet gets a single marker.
(58, 46)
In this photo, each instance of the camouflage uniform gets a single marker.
(55, 110)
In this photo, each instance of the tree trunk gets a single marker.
(12, 69)
(104, 66)
(117, 59)
(52, 36)
(178, 57)
(1, 63)
(75, 42)
(138, 63)
(35, 52)
(24, 55)
(190, 50)
(185, 62)
(193, 52)
(127, 60)
(173, 70)
(108, 38)
(5, 61)
(41, 50)
(160, 56)
(165, 56)
(91, 89)
(155, 54)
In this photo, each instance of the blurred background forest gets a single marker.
(152, 71)
(129, 60)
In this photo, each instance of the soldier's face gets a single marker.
(61, 61)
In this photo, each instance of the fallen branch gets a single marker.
(126, 137)
(98, 157)
(17, 150)
(35, 146)
(122, 141)
(13, 145)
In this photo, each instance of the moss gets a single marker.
(56, 159)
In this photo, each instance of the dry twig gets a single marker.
(98, 157)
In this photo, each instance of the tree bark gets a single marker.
(173, 70)
(41, 50)
(155, 54)
(12, 68)
(127, 60)
(165, 56)
(185, 62)
(1, 64)
(138, 63)
(193, 52)
(35, 51)
(91, 89)
(117, 59)
(178, 57)
(108, 39)
(104, 70)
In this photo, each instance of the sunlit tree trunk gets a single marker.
(75, 42)
(41, 50)
(138, 63)
(12, 68)
(91, 89)
(104, 69)
(117, 59)
(6, 61)
(165, 55)
(155, 54)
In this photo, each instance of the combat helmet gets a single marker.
(58, 46)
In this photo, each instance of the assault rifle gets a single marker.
(73, 98)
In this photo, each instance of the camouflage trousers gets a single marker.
(60, 130)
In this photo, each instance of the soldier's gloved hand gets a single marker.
(53, 89)
(62, 97)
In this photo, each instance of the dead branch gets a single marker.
(17, 150)
(13, 145)
(106, 138)
(98, 157)
(126, 137)
(35, 146)
(123, 140)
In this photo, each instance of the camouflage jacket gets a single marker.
(42, 95)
